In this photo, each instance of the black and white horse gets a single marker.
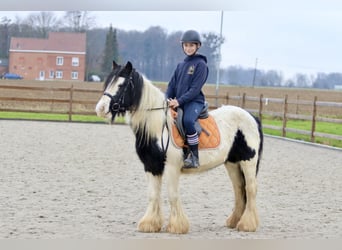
(126, 91)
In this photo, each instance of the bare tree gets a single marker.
(42, 23)
(78, 21)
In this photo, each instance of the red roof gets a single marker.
(56, 41)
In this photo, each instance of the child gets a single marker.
(185, 90)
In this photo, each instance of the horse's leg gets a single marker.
(178, 221)
(238, 182)
(249, 220)
(152, 221)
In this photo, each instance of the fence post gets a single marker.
(243, 100)
(284, 117)
(297, 108)
(313, 124)
(260, 107)
(227, 98)
(70, 102)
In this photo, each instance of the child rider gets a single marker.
(185, 91)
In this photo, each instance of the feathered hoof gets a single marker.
(250, 225)
(178, 225)
(232, 221)
(149, 226)
(177, 229)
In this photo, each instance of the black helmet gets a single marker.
(191, 36)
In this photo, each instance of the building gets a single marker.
(62, 56)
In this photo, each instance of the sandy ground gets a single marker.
(84, 181)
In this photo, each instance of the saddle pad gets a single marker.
(205, 141)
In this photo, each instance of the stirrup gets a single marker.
(191, 161)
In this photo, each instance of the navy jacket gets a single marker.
(188, 79)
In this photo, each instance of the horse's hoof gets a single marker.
(231, 222)
(247, 227)
(173, 230)
(149, 227)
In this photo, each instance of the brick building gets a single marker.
(62, 56)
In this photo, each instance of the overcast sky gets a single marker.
(291, 41)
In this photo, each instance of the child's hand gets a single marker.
(173, 103)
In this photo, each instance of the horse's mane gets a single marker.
(149, 116)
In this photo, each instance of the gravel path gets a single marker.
(84, 181)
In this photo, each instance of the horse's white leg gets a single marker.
(152, 221)
(249, 220)
(238, 182)
(178, 221)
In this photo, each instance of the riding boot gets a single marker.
(192, 161)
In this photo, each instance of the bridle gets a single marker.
(119, 106)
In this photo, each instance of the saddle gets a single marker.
(207, 130)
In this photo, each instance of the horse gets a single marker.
(128, 93)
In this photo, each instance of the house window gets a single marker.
(74, 75)
(59, 60)
(59, 74)
(51, 74)
(75, 61)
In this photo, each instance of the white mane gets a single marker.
(149, 116)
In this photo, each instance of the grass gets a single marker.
(323, 127)
(54, 117)
(49, 117)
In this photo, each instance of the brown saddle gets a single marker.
(209, 135)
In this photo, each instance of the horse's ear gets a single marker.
(115, 65)
(128, 68)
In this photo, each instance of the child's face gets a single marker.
(190, 48)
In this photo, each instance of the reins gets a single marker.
(165, 125)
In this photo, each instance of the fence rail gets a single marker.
(285, 115)
(79, 101)
(45, 103)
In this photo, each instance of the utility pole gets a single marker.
(256, 63)
(218, 62)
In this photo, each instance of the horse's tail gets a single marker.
(261, 143)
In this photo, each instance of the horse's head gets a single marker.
(121, 92)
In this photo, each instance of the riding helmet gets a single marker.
(191, 36)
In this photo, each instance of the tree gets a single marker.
(210, 47)
(129, 44)
(154, 52)
(327, 81)
(110, 52)
(302, 80)
(174, 53)
(42, 23)
(78, 21)
(4, 37)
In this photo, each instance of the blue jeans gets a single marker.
(191, 111)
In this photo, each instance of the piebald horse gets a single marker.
(127, 92)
